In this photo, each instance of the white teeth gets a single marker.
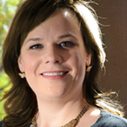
(53, 73)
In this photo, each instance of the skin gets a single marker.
(56, 47)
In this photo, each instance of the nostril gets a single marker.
(53, 61)
(56, 59)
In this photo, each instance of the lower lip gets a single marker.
(54, 77)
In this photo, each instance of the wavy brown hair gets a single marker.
(20, 101)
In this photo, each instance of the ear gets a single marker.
(20, 64)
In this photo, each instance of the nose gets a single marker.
(53, 55)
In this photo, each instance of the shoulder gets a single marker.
(109, 120)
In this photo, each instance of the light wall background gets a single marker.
(113, 14)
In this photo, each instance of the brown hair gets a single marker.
(21, 103)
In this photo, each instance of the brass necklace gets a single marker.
(72, 123)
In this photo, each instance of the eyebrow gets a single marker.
(59, 37)
(33, 39)
(67, 35)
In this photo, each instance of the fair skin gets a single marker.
(54, 59)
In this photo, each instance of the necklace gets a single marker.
(71, 123)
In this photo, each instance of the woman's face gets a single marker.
(54, 58)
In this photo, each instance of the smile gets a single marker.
(55, 74)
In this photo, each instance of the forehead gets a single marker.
(62, 20)
(64, 14)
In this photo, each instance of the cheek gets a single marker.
(78, 60)
(80, 64)
(29, 63)
(30, 69)
(77, 63)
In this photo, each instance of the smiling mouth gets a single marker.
(54, 74)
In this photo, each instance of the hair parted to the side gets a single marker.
(21, 103)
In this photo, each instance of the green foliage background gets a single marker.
(7, 11)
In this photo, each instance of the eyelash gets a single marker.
(62, 45)
(66, 44)
(36, 46)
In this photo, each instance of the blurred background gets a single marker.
(7, 10)
(113, 17)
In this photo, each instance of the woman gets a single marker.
(52, 54)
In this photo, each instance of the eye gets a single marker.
(67, 44)
(36, 46)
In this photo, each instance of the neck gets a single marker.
(57, 113)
